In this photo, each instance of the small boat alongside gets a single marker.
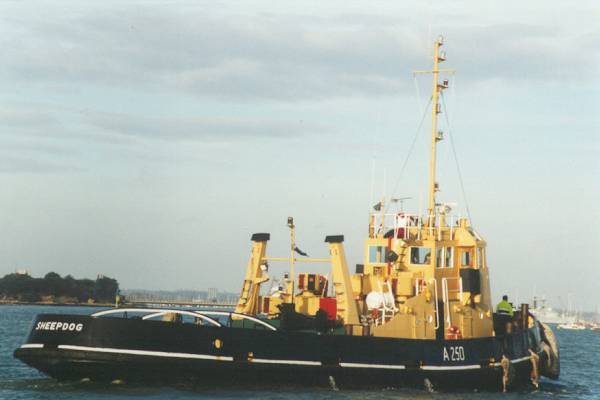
(417, 309)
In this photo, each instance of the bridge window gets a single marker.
(480, 257)
(378, 254)
(465, 258)
(448, 257)
(444, 257)
(420, 255)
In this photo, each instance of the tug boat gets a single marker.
(417, 311)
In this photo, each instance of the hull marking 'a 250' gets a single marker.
(454, 353)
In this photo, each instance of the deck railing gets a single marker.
(409, 226)
(203, 315)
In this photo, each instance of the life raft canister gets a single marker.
(454, 333)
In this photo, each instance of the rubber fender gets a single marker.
(551, 367)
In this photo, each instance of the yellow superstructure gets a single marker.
(422, 276)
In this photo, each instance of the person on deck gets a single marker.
(504, 307)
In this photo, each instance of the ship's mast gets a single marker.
(292, 279)
(436, 136)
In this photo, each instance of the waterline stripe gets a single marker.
(292, 362)
(32, 346)
(456, 367)
(257, 360)
(377, 366)
(146, 353)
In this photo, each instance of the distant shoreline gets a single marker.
(40, 303)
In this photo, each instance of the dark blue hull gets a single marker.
(107, 349)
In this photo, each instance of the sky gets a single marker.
(147, 140)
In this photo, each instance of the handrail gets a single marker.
(437, 311)
(123, 310)
(200, 313)
(406, 221)
(156, 313)
(193, 314)
(242, 316)
(446, 300)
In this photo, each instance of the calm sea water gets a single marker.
(580, 375)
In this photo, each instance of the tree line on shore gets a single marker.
(54, 288)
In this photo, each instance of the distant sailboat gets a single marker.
(577, 324)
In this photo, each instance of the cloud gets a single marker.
(12, 164)
(37, 147)
(196, 50)
(214, 129)
(39, 130)
(26, 119)
(519, 52)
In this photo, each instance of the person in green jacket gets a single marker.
(504, 307)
